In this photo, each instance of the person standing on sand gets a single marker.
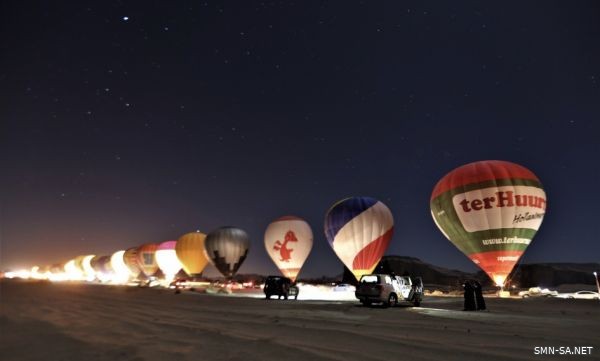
(469, 296)
(479, 296)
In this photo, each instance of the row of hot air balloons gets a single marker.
(225, 247)
(490, 210)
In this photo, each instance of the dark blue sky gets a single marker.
(123, 123)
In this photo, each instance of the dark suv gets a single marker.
(280, 286)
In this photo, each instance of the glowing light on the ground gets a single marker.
(58, 276)
(325, 293)
(25, 274)
(499, 280)
(306, 292)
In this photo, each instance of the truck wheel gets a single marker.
(392, 300)
(366, 303)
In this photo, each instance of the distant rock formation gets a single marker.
(404, 265)
(524, 275)
(553, 274)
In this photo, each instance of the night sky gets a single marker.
(123, 123)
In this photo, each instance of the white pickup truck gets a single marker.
(389, 289)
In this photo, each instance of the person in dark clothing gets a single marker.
(469, 296)
(478, 296)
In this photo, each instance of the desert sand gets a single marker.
(45, 321)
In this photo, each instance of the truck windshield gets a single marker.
(369, 279)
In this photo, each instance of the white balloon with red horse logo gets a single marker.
(288, 241)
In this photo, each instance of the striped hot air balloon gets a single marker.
(359, 230)
(490, 210)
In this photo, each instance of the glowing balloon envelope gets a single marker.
(121, 271)
(227, 248)
(147, 259)
(79, 264)
(94, 262)
(102, 268)
(167, 260)
(359, 230)
(288, 241)
(57, 268)
(71, 271)
(490, 210)
(88, 271)
(191, 254)
(131, 259)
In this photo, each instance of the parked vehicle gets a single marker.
(280, 287)
(150, 282)
(343, 287)
(389, 289)
(180, 284)
(538, 292)
(582, 295)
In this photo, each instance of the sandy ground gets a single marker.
(43, 321)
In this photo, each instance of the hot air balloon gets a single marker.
(101, 266)
(56, 272)
(130, 257)
(95, 265)
(147, 259)
(359, 230)
(490, 210)
(226, 248)
(88, 270)
(121, 271)
(57, 268)
(191, 254)
(79, 264)
(167, 260)
(44, 271)
(288, 241)
(71, 271)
